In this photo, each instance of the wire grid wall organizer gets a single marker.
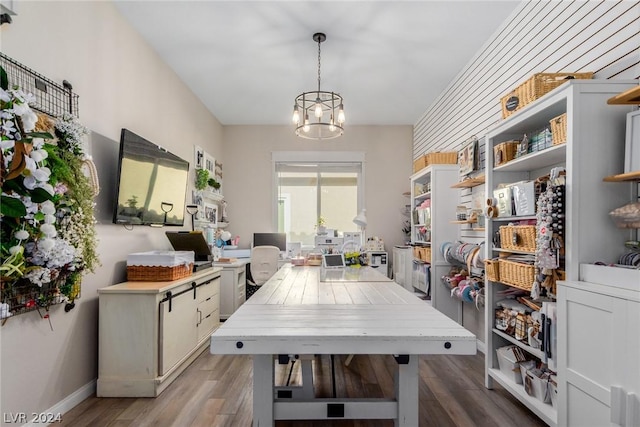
(51, 98)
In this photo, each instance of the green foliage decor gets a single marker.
(47, 218)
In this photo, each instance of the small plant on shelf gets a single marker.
(213, 183)
(202, 179)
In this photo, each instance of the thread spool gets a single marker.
(492, 201)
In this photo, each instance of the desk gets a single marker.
(233, 285)
(297, 313)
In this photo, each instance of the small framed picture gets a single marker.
(211, 213)
(196, 199)
(198, 157)
(467, 157)
(210, 164)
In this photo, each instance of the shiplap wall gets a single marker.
(556, 36)
(540, 36)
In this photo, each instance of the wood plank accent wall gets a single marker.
(565, 36)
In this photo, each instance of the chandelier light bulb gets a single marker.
(296, 115)
(318, 109)
(332, 126)
(306, 127)
(341, 114)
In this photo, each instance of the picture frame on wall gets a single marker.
(196, 198)
(198, 157)
(468, 157)
(211, 213)
(210, 164)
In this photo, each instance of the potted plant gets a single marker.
(202, 179)
(322, 229)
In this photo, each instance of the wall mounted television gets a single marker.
(152, 183)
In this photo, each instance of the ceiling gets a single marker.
(248, 60)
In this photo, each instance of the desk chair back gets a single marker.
(264, 263)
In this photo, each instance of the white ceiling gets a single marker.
(248, 60)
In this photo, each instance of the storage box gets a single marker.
(518, 237)
(516, 274)
(504, 201)
(423, 253)
(559, 129)
(508, 363)
(157, 266)
(435, 158)
(534, 385)
(504, 152)
(534, 87)
(524, 198)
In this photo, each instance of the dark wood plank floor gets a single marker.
(216, 391)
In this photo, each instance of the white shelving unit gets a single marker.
(440, 178)
(594, 149)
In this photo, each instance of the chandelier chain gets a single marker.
(319, 65)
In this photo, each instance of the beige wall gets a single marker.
(122, 83)
(248, 175)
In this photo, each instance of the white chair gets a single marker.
(264, 264)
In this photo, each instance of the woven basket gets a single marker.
(420, 163)
(559, 129)
(525, 237)
(492, 269)
(442, 158)
(423, 253)
(516, 274)
(140, 273)
(533, 88)
(504, 152)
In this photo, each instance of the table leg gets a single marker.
(407, 393)
(263, 378)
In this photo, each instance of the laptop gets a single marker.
(333, 261)
(192, 241)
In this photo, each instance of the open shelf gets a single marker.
(539, 159)
(623, 177)
(628, 97)
(467, 221)
(513, 251)
(534, 351)
(469, 183)
(426, 195)
(513, 218)
(546, 412)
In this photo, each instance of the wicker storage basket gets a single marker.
(442, 158)
(137, 273)
(420, 163)
(517, 274)
(525, 237)
(559, 129)
(159, 266)
(533, 88)
(504, 152)
(492, 269)
(423, 253)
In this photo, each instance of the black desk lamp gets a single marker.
(192, 210)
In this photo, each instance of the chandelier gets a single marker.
(319, 114)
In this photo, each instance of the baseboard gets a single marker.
(70, 402)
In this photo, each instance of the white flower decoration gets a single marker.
(22, 234)
(45, 245)
(15, 249)
(49, 219)
(37, 144)
(48, 230)
(30, 182)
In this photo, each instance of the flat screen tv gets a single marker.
(152, 183)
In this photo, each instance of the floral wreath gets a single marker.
(46, 210)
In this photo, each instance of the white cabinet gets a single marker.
(598, 353)
(403, 266)
(595, 145)
(433, 185)
(149, 332)
(233, 286)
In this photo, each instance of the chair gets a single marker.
(264, 264)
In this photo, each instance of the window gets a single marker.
(308, 189)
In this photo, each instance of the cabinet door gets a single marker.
(178, 335)
(595, 336)
(208, 316)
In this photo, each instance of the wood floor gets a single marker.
(216, 391)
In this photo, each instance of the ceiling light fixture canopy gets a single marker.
(319, 114)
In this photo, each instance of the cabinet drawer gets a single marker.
(209, 289)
